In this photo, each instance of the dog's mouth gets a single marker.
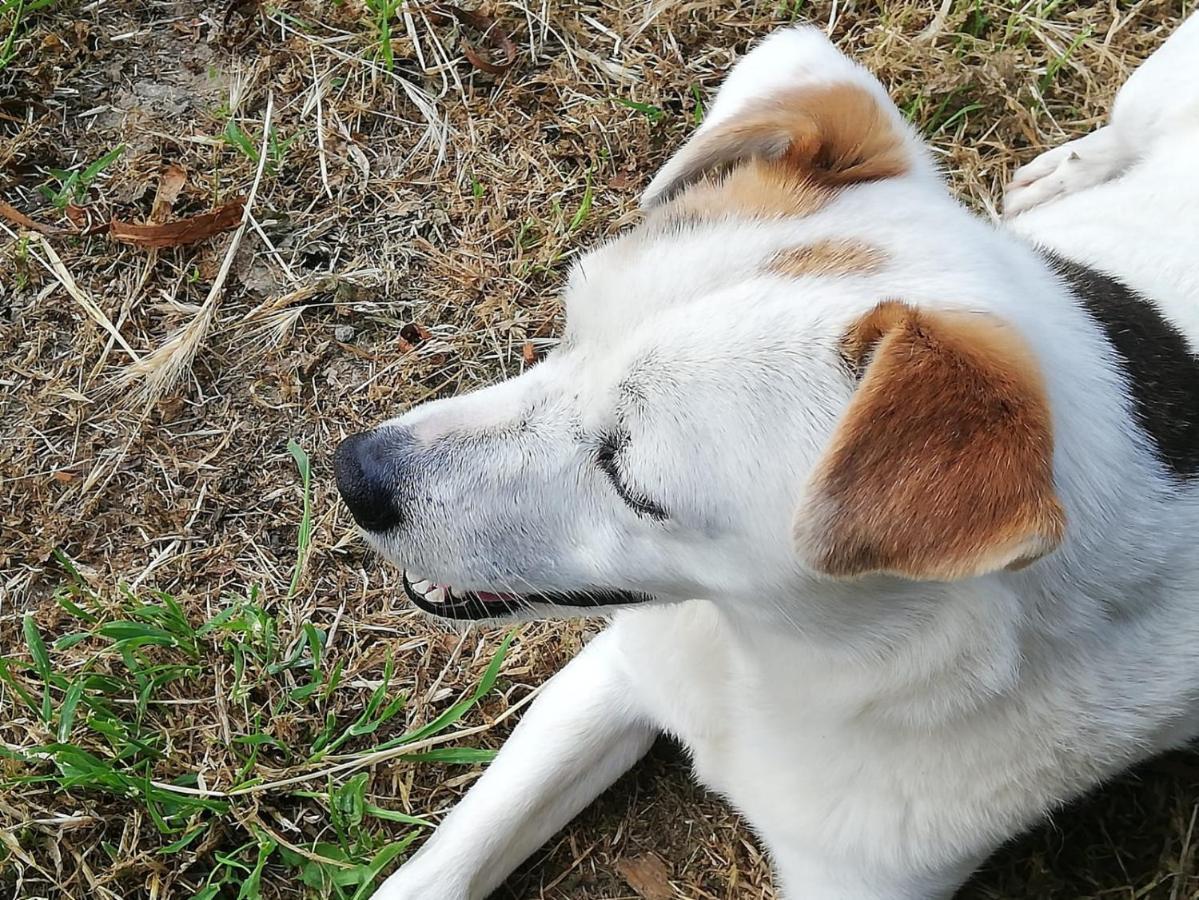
(442, 600)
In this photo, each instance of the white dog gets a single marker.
(936, 480)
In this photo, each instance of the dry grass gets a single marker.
(409, 230)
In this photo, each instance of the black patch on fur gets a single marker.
(1163, 374)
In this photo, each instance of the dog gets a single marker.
(933, 477)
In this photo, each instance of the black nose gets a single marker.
(366, 480)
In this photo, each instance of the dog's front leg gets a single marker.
(578, 737)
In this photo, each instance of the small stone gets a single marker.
(344, 333)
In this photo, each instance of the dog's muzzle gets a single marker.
(370, 468)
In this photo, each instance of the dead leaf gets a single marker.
(19, 218)
(190, 230)
(492, 33)
(647, 875)
(414, 333)
(62, 477)
(170, 183)
(528, 354)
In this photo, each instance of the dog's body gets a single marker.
(939, 484)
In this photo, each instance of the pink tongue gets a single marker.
(488, 597)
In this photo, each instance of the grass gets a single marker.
(277, 147)
(654, 114)
(208, 687)
(383, 13)
(99, 696)
(99, 693)
(74, 185)
(14, 21)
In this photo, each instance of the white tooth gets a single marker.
(437, 595)
(421, 586)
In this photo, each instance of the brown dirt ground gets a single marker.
(438, 237)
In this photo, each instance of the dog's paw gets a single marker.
(1064, 170)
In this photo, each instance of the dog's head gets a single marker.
(744, 399)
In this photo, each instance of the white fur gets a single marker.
(881, 736)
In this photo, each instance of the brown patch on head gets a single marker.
(828, 257)
(755, 190)
(819, 136)
(942, 467)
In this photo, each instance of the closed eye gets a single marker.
(607, 458)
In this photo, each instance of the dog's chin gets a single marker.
(444, 601)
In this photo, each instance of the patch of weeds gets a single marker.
(383, 13)
(697, 115)
(304, 532)
(651, 112)
(107, 717)
(791, 10)
(276, 147)
(949, 111)
(73, 185)
(530, 234)
(977, 23)
(1060, 60)
(20, 267)
(1017, 32)
(584, 209)
(936, 116)
(552, 239)
(14, 19)
(300, 24)
(914, 108)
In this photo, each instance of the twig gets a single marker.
(937, 25)
(319, 90)
(56, 268)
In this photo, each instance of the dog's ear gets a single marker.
(796, 103)
(942, 467)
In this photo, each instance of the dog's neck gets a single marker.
(921, 652)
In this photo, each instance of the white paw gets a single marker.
(1064, 170)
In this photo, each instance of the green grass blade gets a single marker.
(456, 756)
(66, 713)
(183, 842)
(304, 536)
(37, 647)
(584, 207)
(376, 865)
(91, 172)
(235, 136)
(251, 887)
(41, 662)
(458, 710)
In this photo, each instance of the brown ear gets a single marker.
(830, 134)
(942, 467)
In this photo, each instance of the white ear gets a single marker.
(796, 99)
